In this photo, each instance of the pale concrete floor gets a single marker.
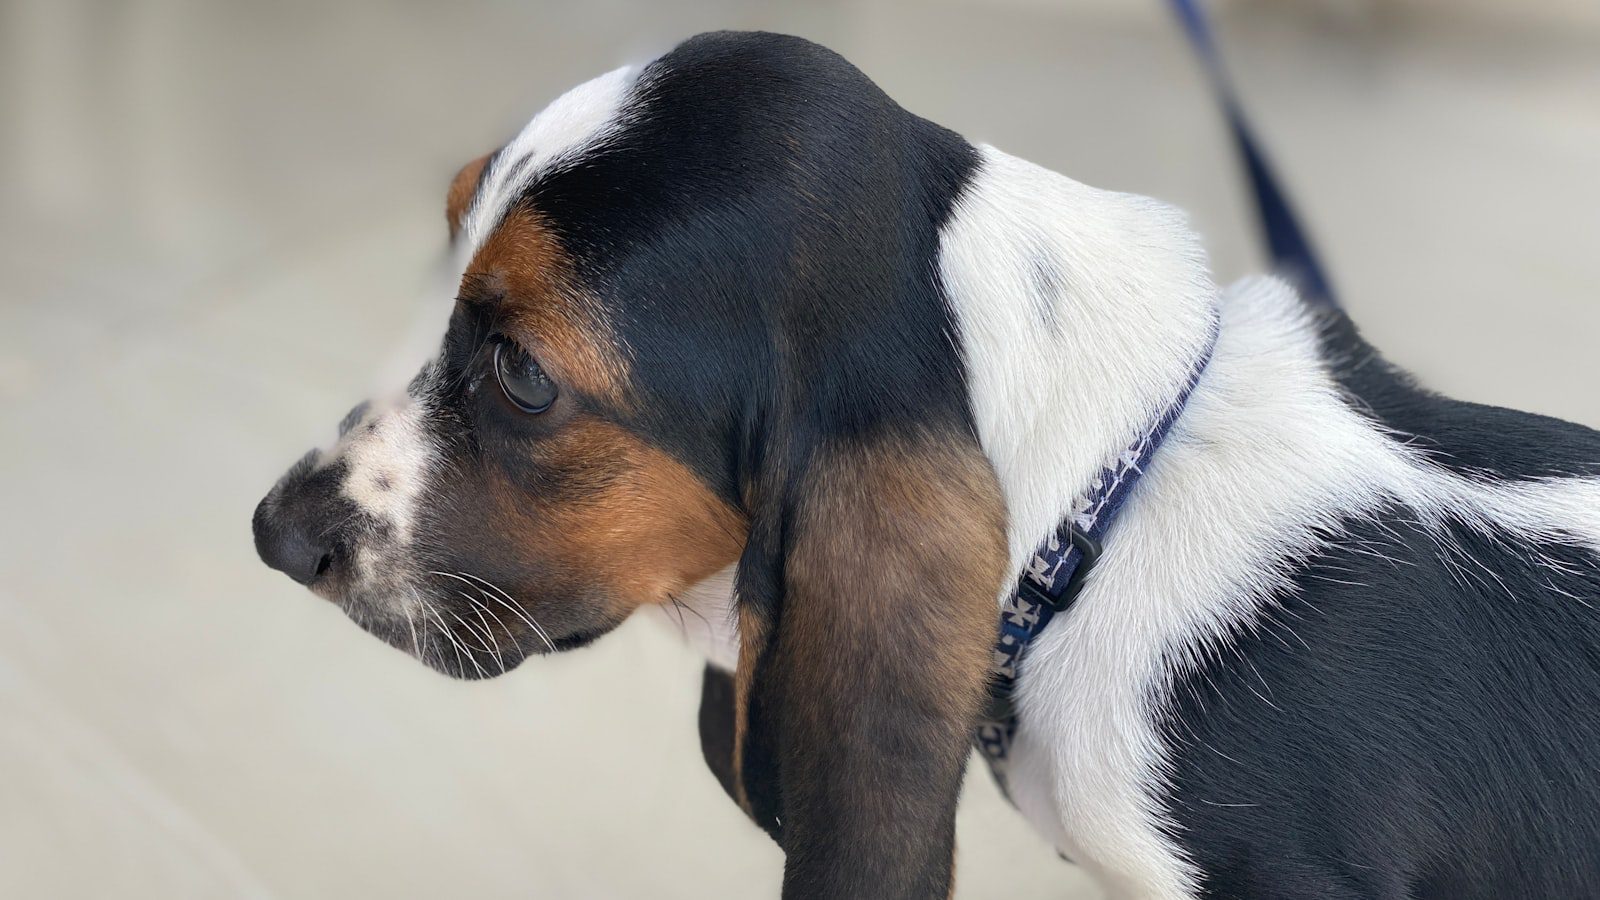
(216, 220)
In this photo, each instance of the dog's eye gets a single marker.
(521, 379)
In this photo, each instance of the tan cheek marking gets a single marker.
(462, 189)
(646, 529)
(542, 303)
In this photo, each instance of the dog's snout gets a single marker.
(294, 548)
(292, 525)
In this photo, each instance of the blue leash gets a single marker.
(1286, 240)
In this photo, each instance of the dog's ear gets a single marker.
(867, 614)
(463, 188)
(718, 727)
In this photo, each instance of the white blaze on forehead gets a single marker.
(387, 456)
(579, 120)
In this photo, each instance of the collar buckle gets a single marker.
(1089, 549)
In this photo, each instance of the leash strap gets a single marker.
(1286, 240)
(1056, 574)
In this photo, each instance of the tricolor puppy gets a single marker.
(738, 332)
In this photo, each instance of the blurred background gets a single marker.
(218, 219)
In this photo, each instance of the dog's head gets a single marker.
(689, 284)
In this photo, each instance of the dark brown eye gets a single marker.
(521, 380)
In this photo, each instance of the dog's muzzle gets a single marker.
(299, 525)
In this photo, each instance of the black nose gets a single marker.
(293, 548)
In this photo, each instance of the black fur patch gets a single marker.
(1468, 438)
(764, 233)
(1415, 716)
(717, 726)
(1414, 719)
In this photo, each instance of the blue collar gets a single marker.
(1057, 571)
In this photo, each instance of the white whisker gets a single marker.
(509, 603)
(411, 624)
(455, 643)
(493, 647)
(482, 608)
(515, 605)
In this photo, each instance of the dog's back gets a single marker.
(1419, 715)
(1368, 649)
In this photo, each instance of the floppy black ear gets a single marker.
(718, 727)
(867, 616)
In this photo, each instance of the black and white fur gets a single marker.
(1343, 639)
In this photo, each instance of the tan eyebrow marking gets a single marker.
(523, 261)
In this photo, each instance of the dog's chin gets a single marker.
(470, 646)
(474, 663)
(468, 664)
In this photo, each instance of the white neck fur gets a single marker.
(1081, 314)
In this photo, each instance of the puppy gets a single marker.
(737, 332)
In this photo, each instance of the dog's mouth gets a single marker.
(458, 623)
(411, 525)
(579, 639)
(445, 640)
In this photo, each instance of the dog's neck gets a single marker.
(1082, 314)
